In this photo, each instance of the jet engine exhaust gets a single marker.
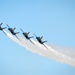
(52, 52)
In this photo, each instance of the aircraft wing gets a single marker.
(17, 37)
(41, 37)
(28, 32)
(31, 42)
(4, 32)
(1, 24)
(14, 28)
(45, 46)
(4, 28)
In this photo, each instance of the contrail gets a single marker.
(54, 53)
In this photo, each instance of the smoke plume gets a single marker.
(60, 54)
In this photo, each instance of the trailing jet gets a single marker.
(12, 31)
(2, 28)
(39, 39)
(26, 35)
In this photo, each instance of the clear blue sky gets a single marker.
(54, 19)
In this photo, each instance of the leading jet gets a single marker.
(39, 39)
(2, 28)
(12, 30)
(26, 35)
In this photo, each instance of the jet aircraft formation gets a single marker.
(26, 34)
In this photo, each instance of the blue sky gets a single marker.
(54, 19)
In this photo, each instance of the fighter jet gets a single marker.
(26, 35)
(39, 39)
(2, 28)
(12, 30)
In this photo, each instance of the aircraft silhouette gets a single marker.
(26, 35)
(39, 39)
(12, 31)
(2, 28)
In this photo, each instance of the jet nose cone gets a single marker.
(8, 28)
(23, 33)
(36, 37)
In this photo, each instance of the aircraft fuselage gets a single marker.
(11, 30)
(1, 28)
(26, 35)
(39, 40)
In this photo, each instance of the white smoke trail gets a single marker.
(52, 52)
